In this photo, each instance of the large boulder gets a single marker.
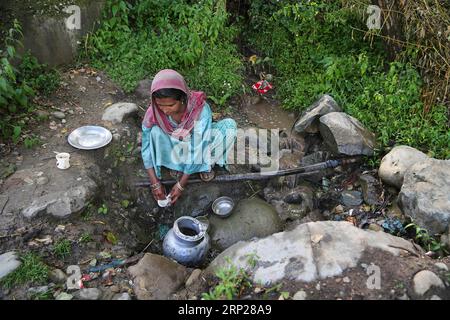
(311, 251)
(425, 194)
(47, 189)
(117, 112)
(345, 135)
(250, 218)
(394, 164)
(309, 122)
(156, 277)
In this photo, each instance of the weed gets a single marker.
(125, 203)
(232, 282)
(19, 85)
(103, 209)
(31, 141)
(85, 237)
(429, 243)
(87, 214)
(32, 270)
(62, 248)
(47, 295)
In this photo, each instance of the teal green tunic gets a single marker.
(207, 145)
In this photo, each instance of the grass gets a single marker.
(85, 238)
(63, 248)
(32, 270)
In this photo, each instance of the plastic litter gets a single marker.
(393, 226)
(115, 263)
(262, 86)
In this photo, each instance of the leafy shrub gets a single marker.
(14, 94)
(18, 86)
(315, 51)
(135, 41)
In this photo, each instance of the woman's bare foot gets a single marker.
(207, 176)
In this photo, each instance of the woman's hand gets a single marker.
(178, 188)
(175, 193)
(159, 193)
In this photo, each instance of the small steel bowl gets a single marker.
(223, 206)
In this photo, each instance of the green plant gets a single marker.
(14, 94)
(32, 270)
(125, 203)
(103, 209)
(18, 86)
(428, 242)
(232, 282)
(40, 77)
(87, 214)
(314, 50)
(85, 237)
(47, 295)
(31, 141)
(62, 248)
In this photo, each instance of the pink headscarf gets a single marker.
(170, 79)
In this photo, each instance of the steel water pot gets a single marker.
(187, 242)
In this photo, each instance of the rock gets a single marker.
(116, 137)
(198, 202)
(425, 194)
(441, 266)
(294, 256)
(346, 280)
(394, 164)
(57, 276)
(351, 198)
(289, 159)
(37, 290)
(345, 135)
(122, 296)
(58, 115)
(193, 277)
(68, 191)
(64, 296)
(291, 204)
(299, 295)
(42, 114)
(143, 89)
(89, 294)
(375, 227)
(250, 218)
(435, 297)
(42, 180)
(424, 280)
(370, 189)
(8, 263)
(445, 238)
(309, 121)
(114, 289)
(156, 277)
(118, 111)
(394, 211)
(313, 158)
